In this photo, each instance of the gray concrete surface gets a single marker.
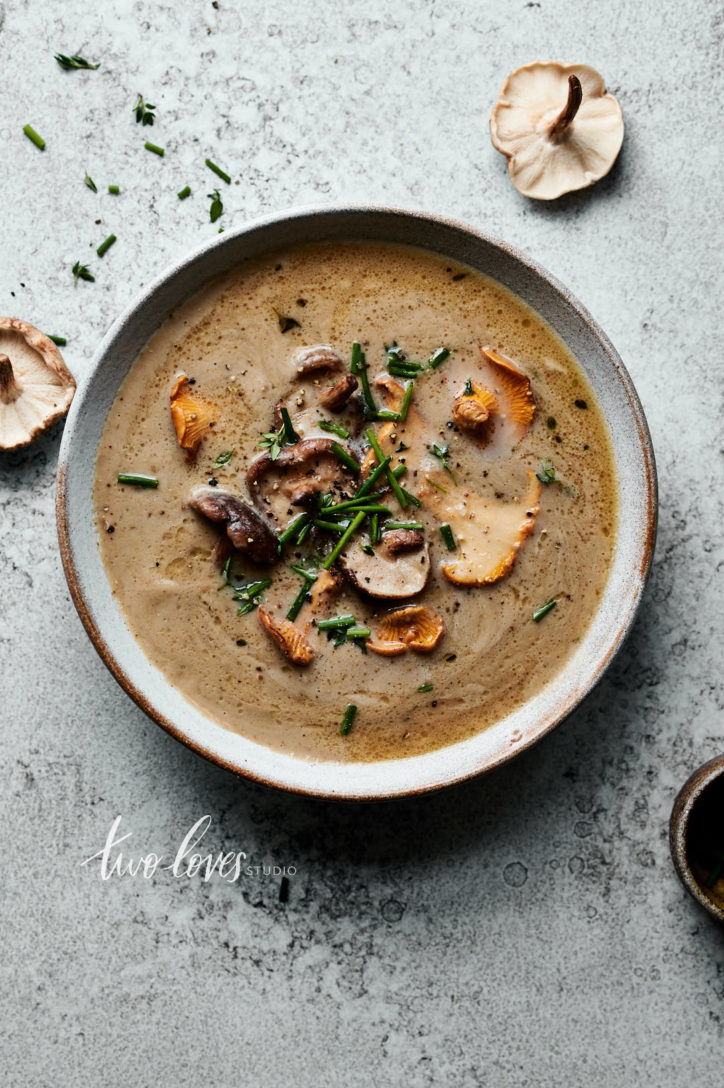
(526, 928)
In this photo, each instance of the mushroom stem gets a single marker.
(569, 111)
(9, 388)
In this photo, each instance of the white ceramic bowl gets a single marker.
(102, 615)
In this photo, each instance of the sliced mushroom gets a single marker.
(386, 575)
(36, 387)
(323, 593)
(401, 542)
(300, 471)
(337, 397)
(471, 411)
(245, 528)
(317, 359)
(515, 406)
(290, 640)
(416, 628)
(488, 532)
(192, 416)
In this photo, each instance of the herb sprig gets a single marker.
(74, 61)
(143, 111)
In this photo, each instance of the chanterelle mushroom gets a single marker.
(192, 416)
(416, 628)
(558, 128)
(36, 387)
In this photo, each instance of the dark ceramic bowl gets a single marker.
(697, 813)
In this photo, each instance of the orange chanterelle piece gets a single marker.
(472, 408)
(416, 627)
(192, 416)
(515, 399)
(290, 640)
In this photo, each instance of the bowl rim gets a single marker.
(695, 785)
(573, 698)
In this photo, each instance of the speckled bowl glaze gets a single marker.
(102, 616)
(687, 797)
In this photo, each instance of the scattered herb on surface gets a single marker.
(273, 441)
(248, 596)
(183, 193)
(434, 483)
(90, 183)
(333, 428)
(223, 458)
(299, 522)
(358, 367)
(367, 549)
(154, 148)
(218, 171)
(216, 207)
(448, 537)
(468, 387)
(343, 540)
(143, 111)
(290, 435)
(348, 719)
(425, 687)
(441, 453)
(74, 61)
(547, 473)
(82, 272)
(438, 357)
(59, 340)
(404, 525)
(309, 578)
(114, 189)
(34, 136)
(346, 458)
(137, 479)
(544, 610)
(106, 245)
(286, 324)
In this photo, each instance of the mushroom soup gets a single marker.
(356, 476)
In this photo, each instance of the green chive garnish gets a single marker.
(429, 480)
(406, 401)
(438, 357)
(33, 135)
(547, 473)
(309, 578)
(346, 458)
(137, 479)
(358, 366)
(59, 340)
(388, 414)
(186, 191)
(292, 528)
(154, 148)
(399, 470)
(218, 171)
(448, 537)
(331, 526)
(468, 388)
(391, 478)
(338, 621)
(114, 189)
(425, 687)
(373, 478)
(333, 428)
(90, 183)
(106, 245)
(74, 61)
(375, 533)
(290, 435)
(342, 542)
(347, 720)
(248, 596)
(544, 610)
(358, 632)
(403, 525)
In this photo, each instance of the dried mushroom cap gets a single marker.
(245, 528)
(299, 473)
(488, 532)
(387, 574)
(471, 411)
(415, 628)
(36, 387)
(290, 640)
(317, 359)
(515, 397)
(557, 127)
(192, 416)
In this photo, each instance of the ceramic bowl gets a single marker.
(611, 383)
(683, 850)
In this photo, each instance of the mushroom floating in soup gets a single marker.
(367, 532)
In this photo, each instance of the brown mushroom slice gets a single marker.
(36, 387)
(192, 416)
(298, 474)
(516, 406)
(416, 627)
(386, 575)
(290, 640)
(245, 528)
(488, 532)
(472, 411)
(317, 360)
(337, 396)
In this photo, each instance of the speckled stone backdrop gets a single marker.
(526, 928)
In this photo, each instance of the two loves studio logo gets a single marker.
(189, 861)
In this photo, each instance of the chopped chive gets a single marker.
(338, 621)
(448, 537)
(367, 549)
(137, 479)
(429, 480)
(290, 435)
(544, 610)
(106, 245)
(373, 478)
(304, 531)
(468, 388)
(90, 183)
(358, 632)
(34, 136)
(388, 414)
(223, 458)
(438, 357)
(183, 193)
(247, 596)
(331, 526)
(406, 401)
(399, 470)
(59, 340)
(292, 527)
(375, 534)
(154, 148)
(347, 720)
(403, 371)
(425, 687)
(218, 171)
(391, 478)
(346, 458)
(411, 498)
(441, 453)
(114, 189)
(349, 504)
(296, 605)
(74, 61)
(225, 571)
(82, 272)
(358, 366)
(342, 542)
(333, 428)
(403, 525)
(370, 508)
